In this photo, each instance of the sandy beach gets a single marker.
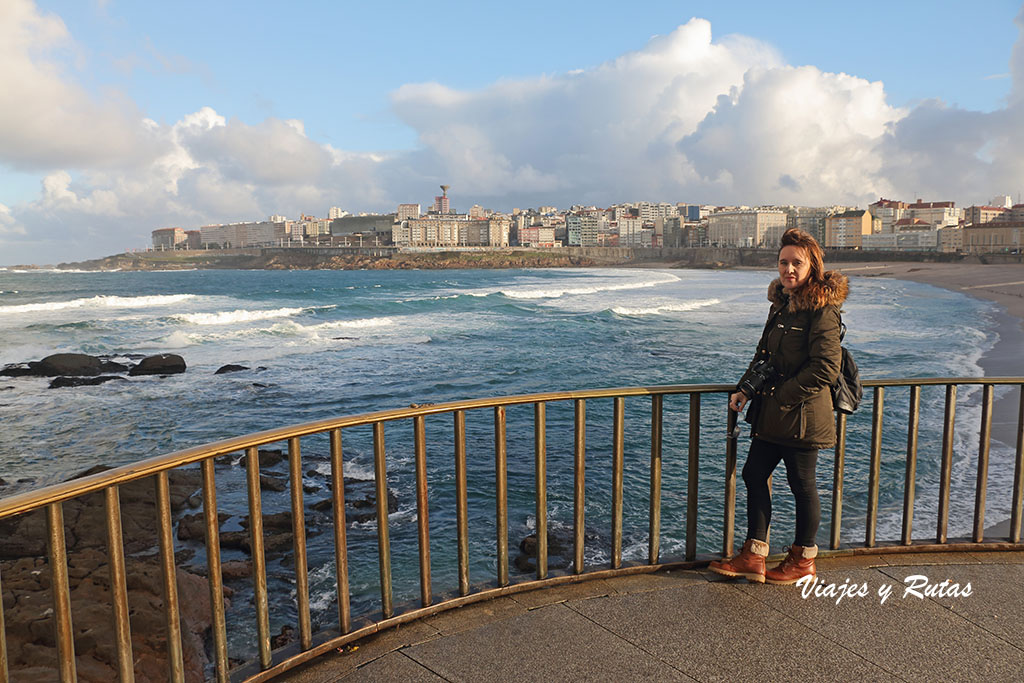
(1001, 283)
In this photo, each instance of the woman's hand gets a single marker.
(737, 401)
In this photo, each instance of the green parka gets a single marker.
(801, 343)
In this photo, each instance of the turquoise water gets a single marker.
(342, 342)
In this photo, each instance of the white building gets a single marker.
(746, 227)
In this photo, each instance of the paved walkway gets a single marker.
(693, 625)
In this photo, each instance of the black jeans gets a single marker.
(763, 458)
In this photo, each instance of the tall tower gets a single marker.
(441, 204)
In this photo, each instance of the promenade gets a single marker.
(693, 625)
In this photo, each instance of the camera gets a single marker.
(753, 382)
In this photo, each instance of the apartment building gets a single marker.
(746, 227)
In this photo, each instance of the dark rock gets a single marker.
(193, 527)
(276, 522)
(322, 505)
(113, 366)
(259, 386)
(269, 483)
(310, 488)
(286, 636)
(560, 550)
(62, 382)
(268, 457)
(17, 370)
(239, 540)
(6, 388)
(29, 628)
(229, 368)
(68, 364)
(160, 364)
(236, 569)
(3, 482)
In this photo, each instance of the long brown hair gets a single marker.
(798, 238)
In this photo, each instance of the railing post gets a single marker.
(579, 479)
(380, 474)
(692, 470)
(259, 560)
(729, 514)
(422, 508)
(1018, 475)
(175, 655)
(947, 463)
(461, 502)
(876, 466)
(501, 493)
(540, 475)
(618, 446)
(4, 673)
(118, 586)
(837, 481)
(983, 450)
(299, 543)
(654, 533)
(213, 570)
(340, 536)
(58, 557)
(910, 475)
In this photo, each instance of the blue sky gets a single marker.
(145, 115)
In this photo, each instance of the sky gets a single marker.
(117, 118)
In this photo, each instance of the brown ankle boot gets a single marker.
(798, 564)
(749, 563)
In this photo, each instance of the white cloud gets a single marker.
(685, 118)
(48, 121)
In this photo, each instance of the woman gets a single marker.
(791, 416)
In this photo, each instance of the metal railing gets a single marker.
(310, 645)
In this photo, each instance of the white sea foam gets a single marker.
(666, 308)
(98, 302)
(556, 292)
(236, 316)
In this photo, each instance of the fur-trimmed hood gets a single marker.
(832, 290)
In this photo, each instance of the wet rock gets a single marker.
(310, 488)
(236, 569)
(113, 366)
(160, 364)
(68, 364)
(29, 622)
(287, 635)
(560, 550)
(85, 517)
(275, 522)
(62, 382)
(269, 483)
(269, 457)
(17, 370)
(193, 527)
(8, 388)
(230, 367)
(239, 540)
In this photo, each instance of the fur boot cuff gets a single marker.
(807, 552)
(758, 547)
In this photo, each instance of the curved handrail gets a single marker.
(312, 644)
(20, 503)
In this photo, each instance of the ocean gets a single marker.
(321, 344)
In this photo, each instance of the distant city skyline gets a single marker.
(118, 118)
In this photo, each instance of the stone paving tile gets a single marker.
(550, 643)
(572, 591)
(914, 639)
(859, 561)
(716, 632)
(330, 667)
(640, 583)
(474, 616)
(993, 587)
(1004, 557)
(929, 558)
(392, 667)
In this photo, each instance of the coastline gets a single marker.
(1002, 284)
